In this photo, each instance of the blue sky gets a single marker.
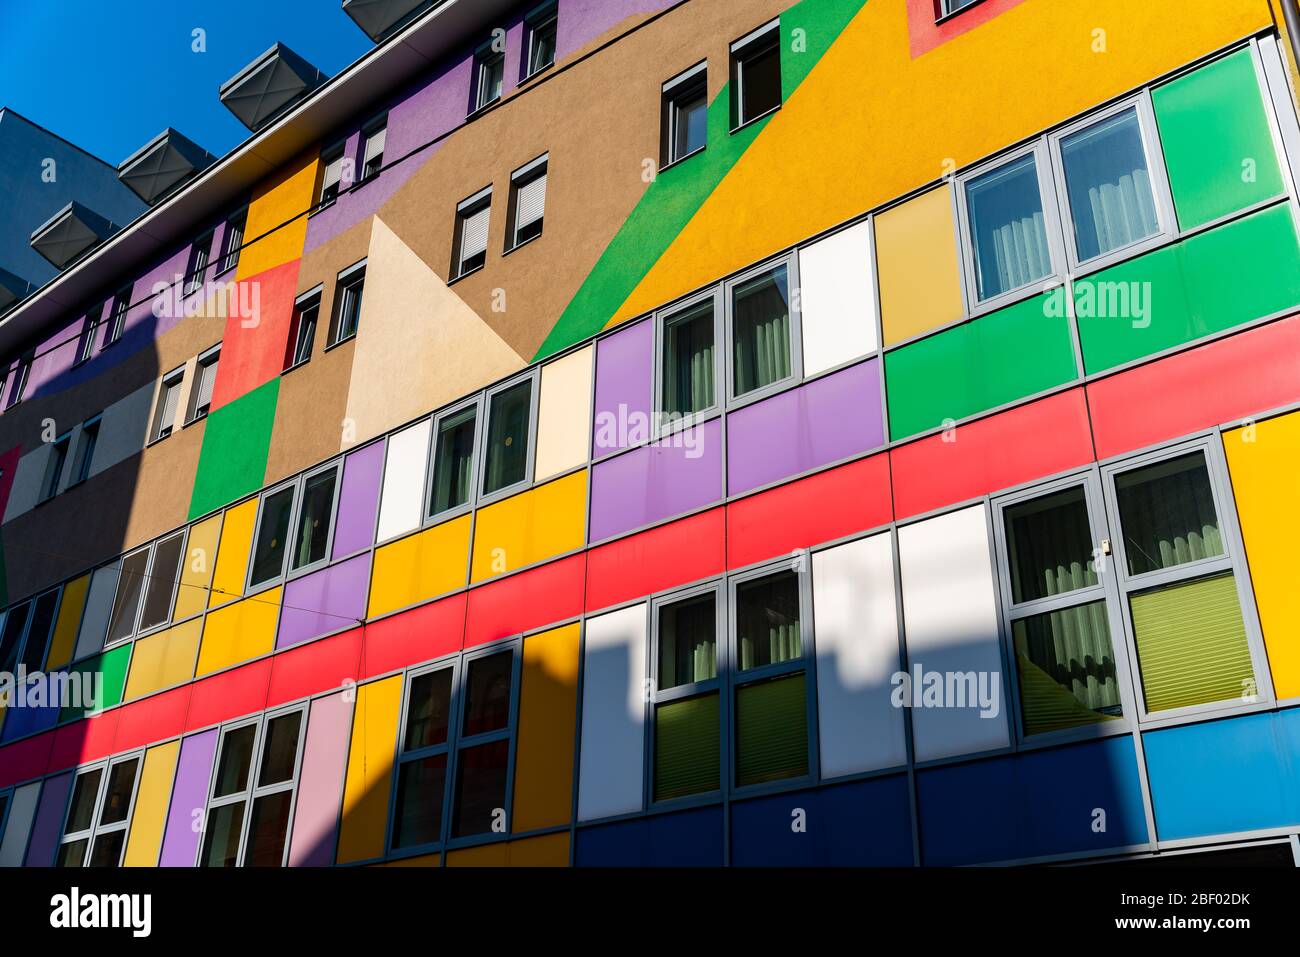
(110, 74)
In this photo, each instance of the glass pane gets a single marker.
(760, 79)
(487, 693)
(428, 710)
(687, 747)
(1049, 546)
(1008, 228)
(1066, 667)
(221, 837)
(107, 849)
(162, 582)
(1109, 186)
(491, 72)
(688, 361)
(507, 439)
(280, 749)
(761, 320)
(314, 522)
(236, 758)
(13, 635)
(1191, 644)
(350, 311)
(1167, 514)
(267, 830)
(73, 854)
(306, 333)
(127, 600)
(688, 642)
(81, 813)
(268, 555)
(481, 788)
(453, 458)
(420, 788)
(38, 632)
(767, 621)
(117, 800)
(771, 730)
(691, 125)
(543, 48)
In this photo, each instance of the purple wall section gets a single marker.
(363, 473)
(654, 482)
(189, 795)
(320, 785)
(582, 21)
(816, 424)
(328, 600)
(48, 827)
(624, 383)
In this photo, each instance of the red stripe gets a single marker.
(304, 671)
(673, 554)
(525, 601)
(420, 634)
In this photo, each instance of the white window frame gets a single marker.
(229, 249)
(147, 552)
(344, 287)
(83, 460)
(375, 128)
(200, 260)
(91, 834)
(209, 357)
(161, 429)
(533, 377)
(484, 57)
(86, 344)
(662, 425)
(520, 179)
(117, 317)
(791, 263)
(670, 111)
(311, 299)
(328, 158)
(140, 628)
(52, 479)
(478, 404)
(540, 18)
(22, 373)
(740, 53)
(465, 209)
(296, 486)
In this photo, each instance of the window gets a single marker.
(372, 154)
(764, 339)
(160, 586)
(331, 178)
(314, 518)
(131, 579)
(201, 395)
(527, 203)
(483, 745)
(688, 367)
(685, 122)
(94, 832)
(489, 73)
(251, 800)
(542, 27)
(347, 307)
(85, 457)
(199, 254)
(117, 318)
(54, 467)
(233, 239)
(305, 506)
(272, 533)
(947, 7)
(20, 381)
(86, 345)
(507, 456)
(471, 239)
(453, 459)
(169, 397)
(756, 75)
(306, 313)
(39, 625)
(421, 789)
(687, 718)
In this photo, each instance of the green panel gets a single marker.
(1211, 282)
(1191, 644)
(1218, 146)
(1016, 352)
(236, 444)
(687, 749)
(112, 666)
(772, 730)
(677, 193)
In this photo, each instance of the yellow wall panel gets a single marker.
(530, 527)
(239, 632)
(286, 195)
(196, 573)
(232, 554)
(564, 414)
(549, 850)
(548, 701)
(151, 801)
(420, 566)
(920, 283)
(164, 659)
(65, 628)
(370, 770)
(1263, 460)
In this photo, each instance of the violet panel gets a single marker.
(48, 827)
(624, 383)
(320, 786)
(189, 796)
(326, 601)
(826, 420)
(675, 475)
(582, 21)
(363, 473)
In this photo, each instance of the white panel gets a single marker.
(856, 621)
(28, 475)
(99, 604)
(402, 506)
(563, 413)
(22, 811)
(837, 300)
(950, 618)
(613, 714)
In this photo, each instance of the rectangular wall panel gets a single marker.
(363, 472)
(71, 605)
(189, 796)
(18, 826)
(153, 795)
(920, 279)
(613, 714)
(48, 826)
(232, 554)
(563, 411)
(950, 618)
(624, 382)
(657, 559)
(325, 601)
(320, 785)
(370, 770)
(421, 566)
(196, 571)
(855, 618)
(238, 632)
(539, 596)
(548, 702)
(837, 299)
(530, 527)
(402, 505)
(164, 659)
(99, 604)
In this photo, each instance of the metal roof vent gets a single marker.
(161, 165)
(12, 288)
(380, 18)
(69, 233)
(269, 86)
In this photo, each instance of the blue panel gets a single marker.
(1034, 804)
(1224, 776)
(685, 839)
(21, 721)
(863, 824)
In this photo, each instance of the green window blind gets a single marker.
(771, 730)
(687, 749)
(1191, 644)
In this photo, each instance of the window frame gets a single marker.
(533, 376)
(29, 605)
(485, 55)
(312, 298)
(86, 342)
(335, 151)
(464, 210)
(23, 372)
(368, 132)
(109, 640)
(479, 404)
(739, 52)
(945, 9)
(790, 261)
(674, 91)
(52, 480)
(540, 18)
(297, 486)
(26, 636)
(173, 379)
(91, 834)
(344, 283)
(456, 665)
(199, 261)
(119, 310)
(208, 357)
(83, 460)
(140, 629)
(661, 426)
(524, 176)
(300, 500)
(229, 257)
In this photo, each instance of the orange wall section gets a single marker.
(548, 701)
(375, 722)
(270, 238)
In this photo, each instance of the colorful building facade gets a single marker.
(681, 433)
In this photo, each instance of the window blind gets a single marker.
(531, 202)
(333, 172)
(771, 730)
(687, 750)
(207, 379)
(474, 233)
(168, 415)
(375, 146)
